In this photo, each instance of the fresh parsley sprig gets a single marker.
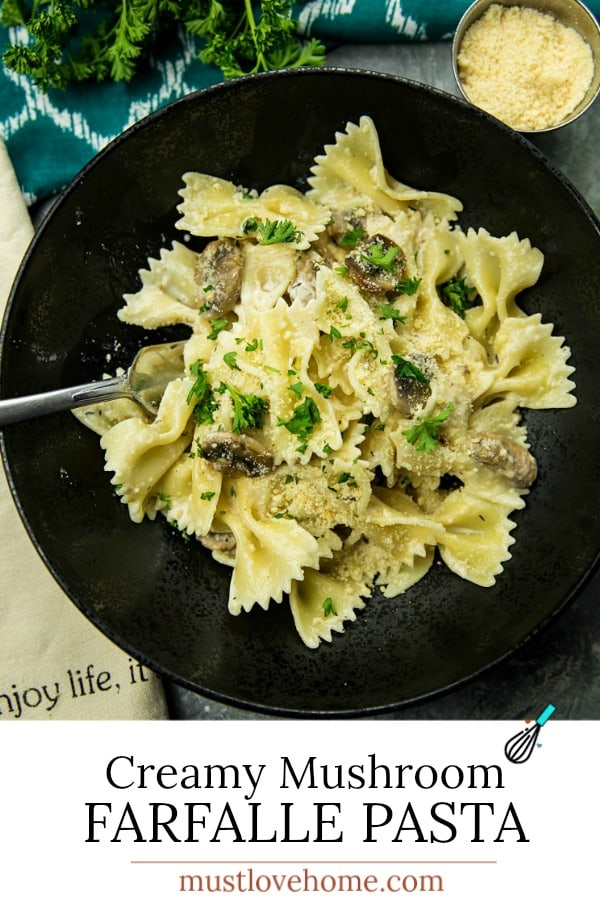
(380, 257)
(201, 395)
(92, 40)
(458, 295)
(278, 231)
(425, 434)
(248, 409)
(302, 422)
(403, 368)
(240, 42)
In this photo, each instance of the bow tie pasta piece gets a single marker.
(323, 601)
(499, 268)
(532, 364)
(271, 551)
(478, 527)
(139, 453)
(168, 293)
(212, 206)
(352, 171)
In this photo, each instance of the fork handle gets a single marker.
(18, 409)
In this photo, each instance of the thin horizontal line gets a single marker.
(313, 862)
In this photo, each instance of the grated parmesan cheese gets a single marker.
(524, 67)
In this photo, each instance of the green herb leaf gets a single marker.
(303, 421)
(218, 325)
(328, 607)
(458, 295)
(230, 359)
(200, 385)
(248, 409)
(377, 256)
(354, 344)
(405, 369)
(85, 40)
(409, 286)
(352, 237)
(388, 311)
(425, 435)
(279, 231)
(201, 394)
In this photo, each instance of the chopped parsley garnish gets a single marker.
(207, 495)
(200, 385)
(297, 388)
(201, 395)
(328, 607)
(382, 259)
(278, 231)
(323, 389)
(425, 435)
(230, 359)
(353, 344)
(352, 237)
(248, 409)
(388, 311)
(302, 423)
(334, 333)
(217, 327)
(458, 295)
(409, 286)
(405, 369)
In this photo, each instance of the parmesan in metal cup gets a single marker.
(526, 65)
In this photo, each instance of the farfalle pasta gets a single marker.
(350, 406)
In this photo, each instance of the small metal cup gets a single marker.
(571, 13)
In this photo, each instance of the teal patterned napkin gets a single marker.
(50, 137)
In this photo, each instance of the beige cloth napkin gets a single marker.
(53, 663)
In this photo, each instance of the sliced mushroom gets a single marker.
(371, 275)
(218, 276)
(506, 456)
(236, 454)
(221, 541)
(411, 391)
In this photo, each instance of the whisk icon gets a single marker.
(519, 748)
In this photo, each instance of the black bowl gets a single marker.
(164, 600)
